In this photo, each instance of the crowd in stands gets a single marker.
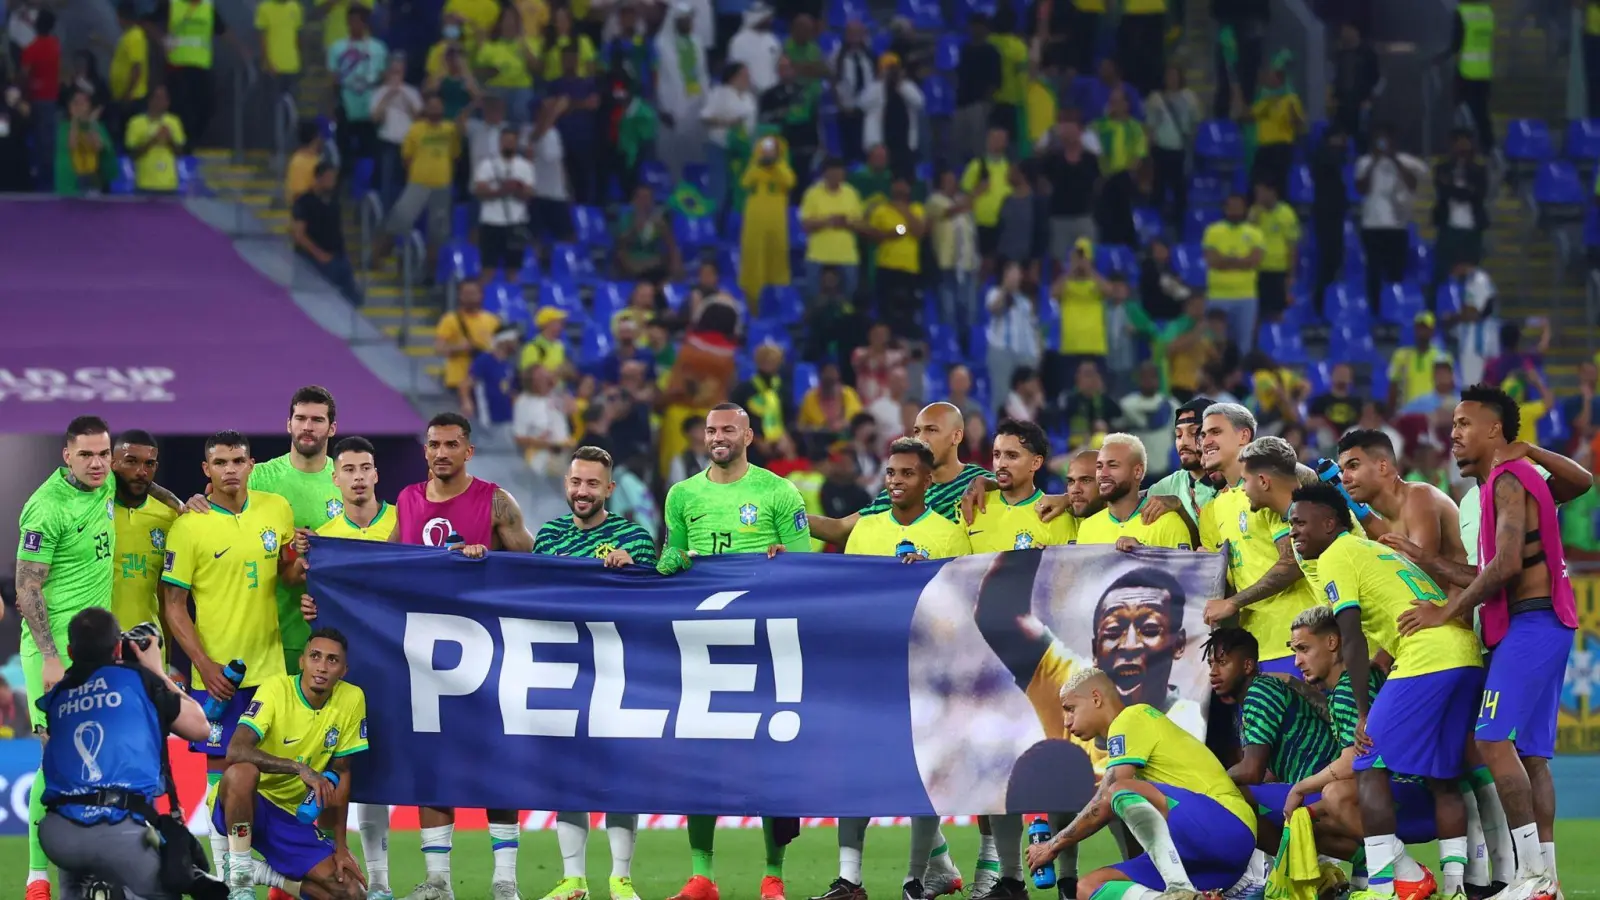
(638, 210)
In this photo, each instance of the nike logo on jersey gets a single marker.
(691, 518)
(288, 741)
(80, 529)
(218, 554)
(979, 531)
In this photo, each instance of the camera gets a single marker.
(138, 638)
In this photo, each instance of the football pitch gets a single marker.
(661, 861)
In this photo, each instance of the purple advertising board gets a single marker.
(142, 314)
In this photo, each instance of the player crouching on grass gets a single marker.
(322, 720)
(1197, 829)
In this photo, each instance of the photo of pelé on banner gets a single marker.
(988, 726)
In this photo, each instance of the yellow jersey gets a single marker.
(1252, 539)
(934, 536)
(1235, 241)
(832, 246)
(1412, 370)
(229, 565)
(156, 169)
(141, 545)
(380, 529)
(1007, 526)
(903, 252)
(1083, 317)
(1104, 528)
(430, 150)
(1143, 737)
(1280, 229)
(279, 23)
(1278, 118)
(133, 49)
(1355, 573)
(286, 723)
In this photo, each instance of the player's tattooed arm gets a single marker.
(1510, 540)
(510, 531)
(1568, 480)
(242, 748)
(30, 604)
(1283, 574)
(1094, 817)
(166, 497)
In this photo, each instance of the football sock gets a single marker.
(1452, 864)
(988, 860)
(265, 875)
(572, 836)
(1381, 852)
(219, 842)
(940, 860)
(1123, 890)
(1496, 831)
(1008, 844)
(702, 838)
(924, 832)
(1358, 869)
(1477, 849)
(1530, 855)
(436, 849)
(1405, 867)
(852, 838)
(1549, 848)
(503, 841)
(372, 821)
(775, 851)
(241, 869)
(1147, 824)
(1067, 862)
(38, 862)
(622, 831)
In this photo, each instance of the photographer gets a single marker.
(1387, 181)
(108, 719)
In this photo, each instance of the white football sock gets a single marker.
(436, 849)
(1496, 833)
(1008, 844)
(1477, 847)
(572, 836)
(372, 821)
(924, 835)
(38, 875)
(265, 875)
(1147, 824)
(1530, 854)
(622, 832)
(241, 868)
(1139, 892)
(503, 841)
(939, 860)
(852, 837)
(1381, 852)
(987, 858)
(1405, 867)
(219, 853)
(1452, 864)
(1549, 848)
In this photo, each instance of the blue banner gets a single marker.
(807, 685)
(19, 760)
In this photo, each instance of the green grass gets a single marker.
(661, 861)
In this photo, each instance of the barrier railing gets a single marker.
(413, 258)
(244, 81)
(285, 128)
(370, 217)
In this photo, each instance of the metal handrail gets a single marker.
(370, 218)
(285, 125)
(1591, 303)
(413, 256)
(244, 81)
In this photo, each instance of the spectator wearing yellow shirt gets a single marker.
(154, 139)
(303, 163)
(898, 225)
(278, 22)
(827, 408)
(1280, 240)
(1279, 392)
(479, 16)
(1083, 295)
(464, 333)
(507, 61)
(1234, 249)
(987, 180)
(335, 19)
(830, 214)
(1411, 368)
(429, 153)
(764, 235)
(557, 36)
(548, 349)
(130, 66)
(1013, 88)
(1279, 119)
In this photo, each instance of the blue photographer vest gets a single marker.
(104, 735)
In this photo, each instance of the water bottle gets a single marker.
(454, 542)
(310, 808)
(904, 547)
(1039, 833)
(234, 672)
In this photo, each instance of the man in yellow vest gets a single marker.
(1142, 44)
(192, 27)
(1472, 43)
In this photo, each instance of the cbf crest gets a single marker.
(269, 540)
(748, 514)
(158, 539)
(215, 738)
(335, 508)
(111, 509)
(1024, 541)
(331, 738)
(1244, 523)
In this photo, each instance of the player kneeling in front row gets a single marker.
(274, 804)
(1173, 795)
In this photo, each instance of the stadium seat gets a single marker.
(693, 232)
(1196, 221)
(1398, 304)
(698, 176)
(461, 220)
(1147, 223)
(594, 347)
(763, 332)
(568, 263)
(966, 9)
(1301, 188)
(938, 96)
(805, 378)
(1352, 343)
(610, 298)
(124, 182)
(589, 226)
(1420, 267)
(1218, 146)
(947, 53)
(728, 255)
(361, 177)
(561, 296)
(189, 179)
(1115, 259)
(943, 346)
(1583, 141)
(1207, 190)
(1189, 262)
(925, 15)
(506, 301)
(1558, 193)
(531, 272)
(1591, 227)
(1553, 429)
(782, 304)
(458, 261)
(1318, 376)
(828, 43)
(674, 295)
(1528, 141)
(1447, 300)
(1346, 304)
(653, 173)
(841, 12)
(1282, 343)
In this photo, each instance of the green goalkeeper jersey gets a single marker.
(747, 516)
(563, 537)
(69, 529)
(315, 501)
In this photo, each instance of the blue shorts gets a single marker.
(1269, 803)
(1283, 665)
(289, 846)
(1414, 819)
(222, 729)
(1420, 725)
(1214, 845)
(1523, 689)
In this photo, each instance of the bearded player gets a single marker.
(142, 525)
(590, 531)
(1006, 519)
(1119, 470)
(733, 507)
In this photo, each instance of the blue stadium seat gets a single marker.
(1301, 188)
(733, 227)
(561, 296)
(1553, 429)
(1350, 193)
(763, 332)
(506, 301)
(1218, 146)
(1355, 255)
(828, 42)
(1556, 183)
(1352, 343)
(965, 9)
(1528, 141)
(842, 12)
(1447, 300)
(1420, 267)
(1147, 223)
(697, 175)
(1302, 313)
(805, 378)
(674, 295)
(653, 173)
(744, 365)
(1346, 304)
(1282, 343)
(782, 304)
(925, 15)
(1207, 190)
(1398, 304)
(461, 220)
(1189, 262)
(728, 255)
(1583, 141)
(124, 182)
(1196, 221)
(589, 226)
(692, 233)
(361, 177)
(943, 346)
(189, 179)
(458, 261)
(939, 97)
(610, 298)
(569, 263)
(594, 347)
(1318, 376)
(531, 272)
(1115, 259)
(947, 53)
